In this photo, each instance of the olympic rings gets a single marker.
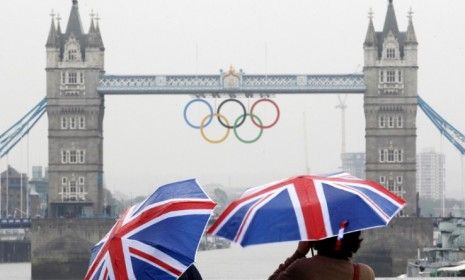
(225, 123)
(203, 125)
(243, 118)
(201, 101)
(243, 110)
(277, 113)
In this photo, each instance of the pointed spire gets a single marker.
(52, 40)
(74, 23)
(94, 38)
(370, 38)
(58, 18)
(411, 38)
(97, 28)
(92, 26)
(390, 23)
(97, 20)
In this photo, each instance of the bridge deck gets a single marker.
(231, 83)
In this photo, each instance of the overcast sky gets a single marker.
(147, 142)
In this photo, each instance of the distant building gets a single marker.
(354, 163)
(12, 184)
(39, 187)
(430, 174)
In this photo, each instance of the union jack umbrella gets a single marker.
(306, 208)
(156, 239)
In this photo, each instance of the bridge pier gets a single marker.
(388, 249)
(60, 248)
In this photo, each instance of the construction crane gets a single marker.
(342, 105)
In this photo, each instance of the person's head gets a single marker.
(350, 244)
(191, 274)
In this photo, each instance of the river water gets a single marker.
(256, 262)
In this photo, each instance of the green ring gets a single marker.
(239, 120)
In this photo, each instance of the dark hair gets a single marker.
(191, 274)
(350, 244)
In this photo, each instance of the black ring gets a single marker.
(243, 109)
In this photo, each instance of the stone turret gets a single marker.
(370, 46)
(95, 48)
(411, 44)
(53, 45)
(75, 62)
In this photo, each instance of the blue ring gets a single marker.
(202, 101)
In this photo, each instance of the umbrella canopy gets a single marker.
(156, 239)
(306, 208)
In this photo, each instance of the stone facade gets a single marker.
(390, 106)
(75, 62)
(60, 248)
(387, 250)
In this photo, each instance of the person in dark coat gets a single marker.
(191, 274)
(333, 261)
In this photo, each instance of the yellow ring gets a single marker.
(202, 125)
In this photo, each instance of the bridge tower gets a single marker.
(75, 61)
(390, 107)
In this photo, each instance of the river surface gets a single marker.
(256, 262)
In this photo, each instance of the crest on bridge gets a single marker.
(232, 78)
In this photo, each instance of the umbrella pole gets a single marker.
(313, 253)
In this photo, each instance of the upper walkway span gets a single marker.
(231, 82)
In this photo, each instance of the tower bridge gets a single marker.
(77, 84)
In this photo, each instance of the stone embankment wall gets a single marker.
(60, 248)
(388, 249)
(15, 251)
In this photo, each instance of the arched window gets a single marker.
(391, 76)
(72, 122)
(382, 156)
(64, 123)
(396, 155)
(381, 121)
(382, 180)
(82, 156)
(400, 121)
(390, 53)
(72, 50)
(390, 157)
(82, 122)
(72, 54)
(64, 156)
(391, 121)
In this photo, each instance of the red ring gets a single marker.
(277, 111)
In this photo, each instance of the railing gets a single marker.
(15, 223)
